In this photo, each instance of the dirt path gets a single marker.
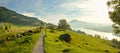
(38, 48)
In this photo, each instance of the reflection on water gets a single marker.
(103, 35)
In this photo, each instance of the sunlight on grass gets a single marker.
(80, 44)
(16, 46)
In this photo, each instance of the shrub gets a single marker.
(65, 37)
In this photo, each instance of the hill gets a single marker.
(10, 42)
(10, 16)
(80, 43)
(75, 24)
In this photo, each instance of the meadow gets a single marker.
(24, 44)
(80, 43)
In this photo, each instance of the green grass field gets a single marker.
(94, 45)
(15, 30)
(16, 46)
(77, 45)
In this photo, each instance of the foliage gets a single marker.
(52, 27)
(116, 28)
(115, 13)
(78, 31)
(65, 37)
(63, 25)
(115, 43)
(42, 24)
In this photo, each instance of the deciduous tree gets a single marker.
(63, 25)
(114, 12)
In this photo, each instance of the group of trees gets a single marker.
(52, 27)
(62, 25)
(115, 43)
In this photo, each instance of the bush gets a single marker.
(65, 37)
(26, 40)
(115, 43)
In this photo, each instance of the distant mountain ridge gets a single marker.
(10, 16)
(75, 24)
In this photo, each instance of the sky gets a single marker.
(93, 11)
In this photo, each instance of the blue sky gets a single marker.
(94, 11)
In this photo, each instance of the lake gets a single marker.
(103, 35)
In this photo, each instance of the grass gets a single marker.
(15, 46)
(95, 45)
(15, 30)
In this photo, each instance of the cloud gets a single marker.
(94, 10)
(95, 19)
(30, 14)
(71, 5)
(83, 10)
(54, 18)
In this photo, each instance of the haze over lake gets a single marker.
(103, 35)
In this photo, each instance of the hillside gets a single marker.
(18, 39)
(75, 24)
(10, 16)
(80, 44)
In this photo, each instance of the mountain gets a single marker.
(75, 24)
(10, 16)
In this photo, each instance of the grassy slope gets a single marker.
(15, 30)
(95, 45)
(13, 46)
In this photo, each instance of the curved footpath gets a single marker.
(38, 48)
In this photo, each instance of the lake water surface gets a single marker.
(103, 35)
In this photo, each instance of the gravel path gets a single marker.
(38, 48)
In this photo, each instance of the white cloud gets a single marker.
(29, 14)
(95, 10)
(51, 18)
(95, 19)
(48, 17)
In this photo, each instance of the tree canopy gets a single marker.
(63, 25)
(114, 6)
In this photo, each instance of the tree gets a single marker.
(63, 25)
(52, 27)
(42, 24)
(116, 28)
(116, 43)
(115, 13)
